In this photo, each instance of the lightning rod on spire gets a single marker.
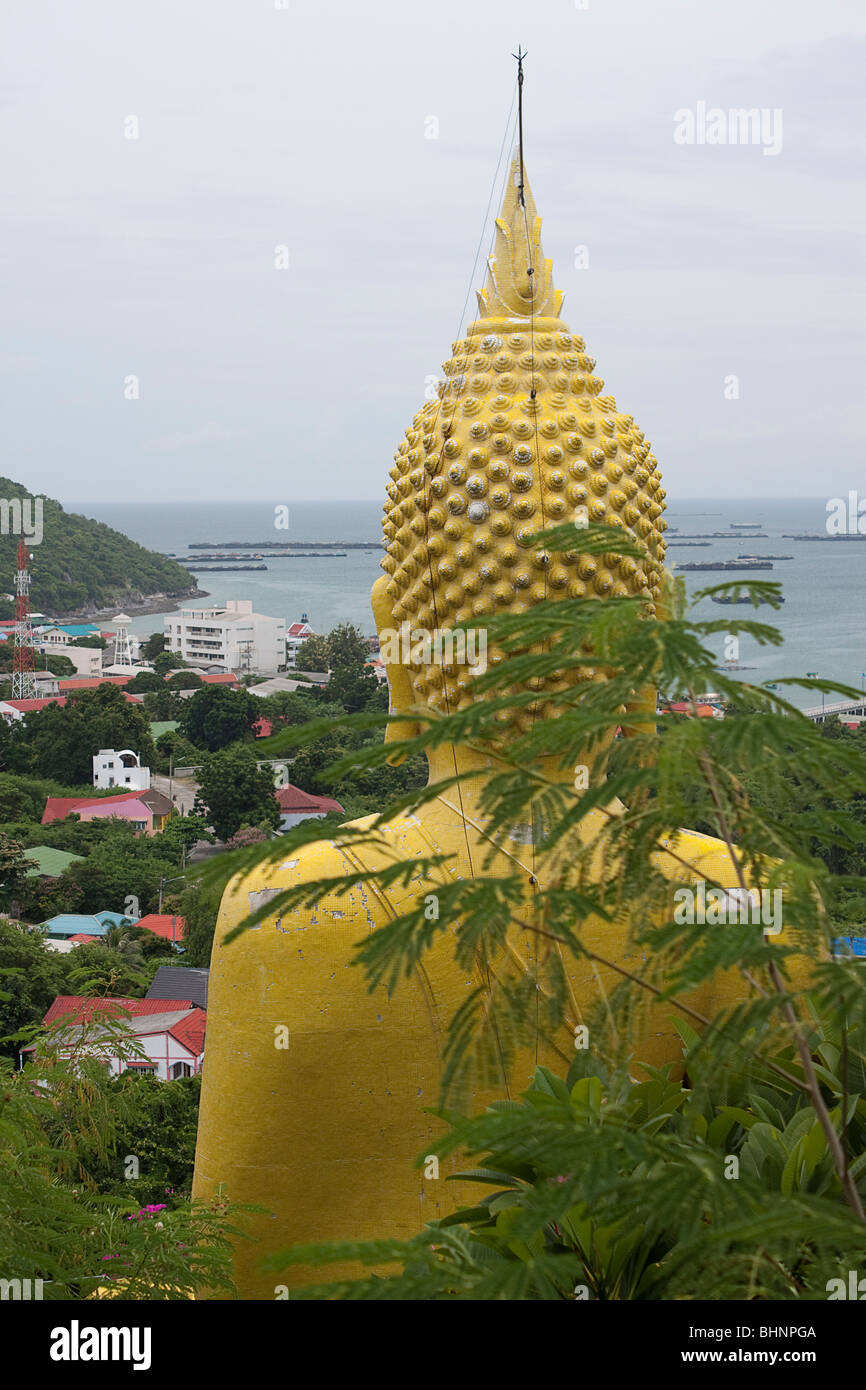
(520, 55)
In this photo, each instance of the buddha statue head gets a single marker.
(519, 438)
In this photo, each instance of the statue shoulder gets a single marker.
(333, 858)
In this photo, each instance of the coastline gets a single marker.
(153, 603)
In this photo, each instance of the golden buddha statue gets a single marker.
(323, 1130)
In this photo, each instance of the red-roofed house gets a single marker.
(165, 924)
(83, 1006)
(16, 709)
(91, 682)
(263, 728)
(704, 711)
(170, 1033)
(296, 805)
(148, 810)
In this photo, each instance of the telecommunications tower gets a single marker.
(24, 651)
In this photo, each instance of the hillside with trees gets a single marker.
(80, 567)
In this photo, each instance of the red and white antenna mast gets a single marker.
(24, 654)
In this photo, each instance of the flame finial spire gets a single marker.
(519, 277)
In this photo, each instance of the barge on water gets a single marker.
(737, 566)
(744, 598)
(221, 569)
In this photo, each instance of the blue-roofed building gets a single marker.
(73, 629)
(67, 924)
(113, 919)
(844, 947)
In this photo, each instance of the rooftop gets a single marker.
(49, 862)
(170, 980)
(293, 802)
(74, 924)
(90, 682)
(165, 924)
(84, 1006)
(28, 706)
(59, 807)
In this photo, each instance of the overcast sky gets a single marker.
(261, 126)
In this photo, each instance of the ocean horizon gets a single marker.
(821, 621)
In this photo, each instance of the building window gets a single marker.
(179, 1069)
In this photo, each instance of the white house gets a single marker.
(120, 769)
(231, 636)
(169, 1035)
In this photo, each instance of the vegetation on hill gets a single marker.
(81, 567)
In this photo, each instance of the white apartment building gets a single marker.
(231, 636)
(120, 769)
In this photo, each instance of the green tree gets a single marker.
(347, 645)
(215, 717)
(173, 750)
(184, 680)
(166, 661)
(41, 898)
(13, 746)
(343, 646)
(23, 798)
(313, 654)
(180, 834)
(355, 687)
(64, 1208)
(95, 969)
(158, 1123)
(31, 976)
(63, 739)
(59, 665)
(198, 904)
(152, 646)
(90, 639)
(164, 703)
(13, 868)
(144, 681)
(234, 792)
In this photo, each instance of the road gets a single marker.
(181, 793)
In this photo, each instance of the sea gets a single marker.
(824, 584)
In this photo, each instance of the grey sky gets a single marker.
(305, 126)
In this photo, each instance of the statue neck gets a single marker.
(475, 770)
